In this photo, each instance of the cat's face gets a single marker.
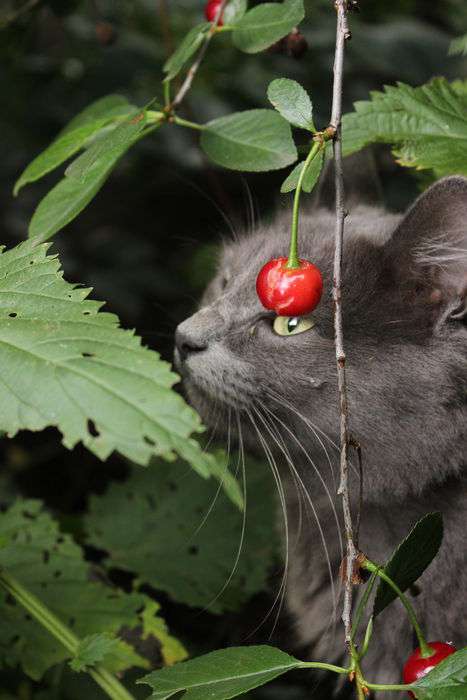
(240, 365)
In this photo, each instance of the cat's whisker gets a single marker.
(314, 429)
(317, 472)
(315, 516)
(279, 598)
(242, 534)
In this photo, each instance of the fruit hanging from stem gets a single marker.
(418, 666)
(289, 290)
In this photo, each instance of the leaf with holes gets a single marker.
(255, 140)
(222, 674)
(411, 558)
(267, 23)
(195, 534)
(75, 136)
(426, 125)
(68, 364)
(50, 565)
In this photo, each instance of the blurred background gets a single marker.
(147, 243)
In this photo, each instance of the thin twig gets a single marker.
(186, 85)
(342, 34)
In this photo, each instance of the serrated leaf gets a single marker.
(255, 140)
(221, 675)
(311, 176)
(234, 11)
(172, 649)
(447, 681)
(50, 565)
(292, 101)
(266, 24)
(74, 137)
(427, 125)
(69, 365)
(187, 48)
(92, 649)
(178, 534)
(411, 558)
(108, 149)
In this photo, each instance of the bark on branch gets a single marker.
(342, 34)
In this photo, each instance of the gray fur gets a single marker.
(406, 341)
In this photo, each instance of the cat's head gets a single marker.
(404, 290)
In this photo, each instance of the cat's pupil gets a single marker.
(292, 323)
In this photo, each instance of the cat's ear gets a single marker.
(428, 250)
(361, 182)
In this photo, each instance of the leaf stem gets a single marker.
(383, 686)
(293, 261)
(363, 603)
(62, 633)
(324, 667)
(184, 122)
(425, 649)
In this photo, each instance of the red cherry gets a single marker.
(289, 291)
(210, 11)
(418, 666)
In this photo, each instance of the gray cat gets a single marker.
(273, 384)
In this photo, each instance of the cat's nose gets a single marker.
(189, 340)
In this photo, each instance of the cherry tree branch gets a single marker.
(342, 34)
(186, 85)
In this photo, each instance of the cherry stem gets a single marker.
(425, 650)
(293, 261)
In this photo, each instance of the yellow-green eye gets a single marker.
(291, 325)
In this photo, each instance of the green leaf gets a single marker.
(108, 149)
(266, 24)
(221, 675)
(411, 558)
(292, 101)
(172, 649)
(255, 140)
(311, 176)
(447, 681)
(177, 533)
(113, 104)
(427, 125)
(458, 46)
(50, 565)
(187, 48)
(92, 649)
(234, 11)
(69, 365)
(86, 175)
(74, 137)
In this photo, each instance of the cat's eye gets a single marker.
(292, 325)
